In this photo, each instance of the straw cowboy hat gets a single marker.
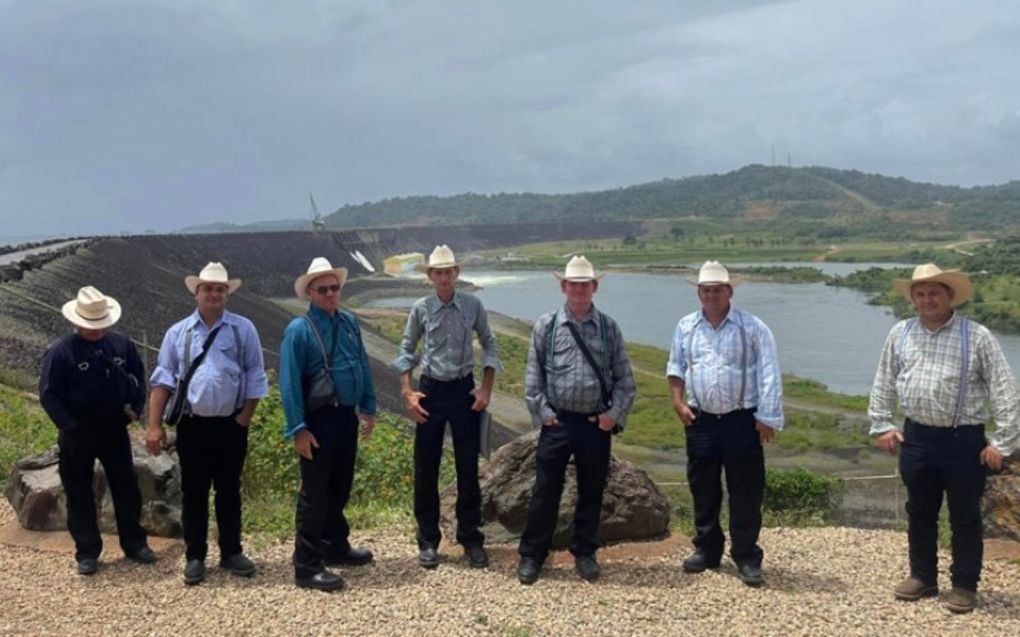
(579, 269)
(714, 273)
(318, 267)
(442, 257)
(955, 280)
(92, 309)
(213, 272)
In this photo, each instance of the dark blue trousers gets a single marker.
(590, 446)
(728, 441)
(448, 401)
(933, 461)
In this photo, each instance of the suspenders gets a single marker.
(961, 394)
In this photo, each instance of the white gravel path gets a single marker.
(832, 581)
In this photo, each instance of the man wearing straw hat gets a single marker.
(223, 354)
(727, 389)
(948, 373)
(446, 320)
(91, 388)
(325, 343)
(579, 387)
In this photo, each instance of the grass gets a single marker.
(25, 429)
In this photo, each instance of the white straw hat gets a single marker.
(442, 257)
(213, 272)
(318, 267)
(714, 273)
(92, 309)
(955, 280)
(579, 269)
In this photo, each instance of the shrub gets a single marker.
(800, 494)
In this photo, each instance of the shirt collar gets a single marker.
(945, 326)
(731, 316)
(321, 315)
(588, 316)
(196, 319)
(437, 303)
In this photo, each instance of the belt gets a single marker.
(704, 414)
(566, 413)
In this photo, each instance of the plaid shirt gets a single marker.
(447, 328)
(923, 368)
(564, 379)
(708, 360)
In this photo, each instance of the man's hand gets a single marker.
(242, 421)
(369, 421)
(606, 423)
(412, 403)
(482, 398)
(551, 422)
(890, 440)
(991, 457)
(304, 442)
(155, 439)
(685, 413)
(765, 433)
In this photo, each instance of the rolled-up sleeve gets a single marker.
(677, 365)
(490, 348)
(256, 383)
(770, 379)
(882, 402)
(407, 358)
(167, 363)
(534, 375)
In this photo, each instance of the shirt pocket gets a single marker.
(227, 357)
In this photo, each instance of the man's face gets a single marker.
(443, 278)
(324, 292)
(211, 298)
(715, 299)
(579, 292)
(90, 335)
(933, 301)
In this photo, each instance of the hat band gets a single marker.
(91, 318)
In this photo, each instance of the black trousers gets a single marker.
(714, 443)
(326, 480)
(448, 401)
(575, 435)
(212, 452)
(933, 461)
(79, 449)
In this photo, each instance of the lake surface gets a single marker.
(826, 333)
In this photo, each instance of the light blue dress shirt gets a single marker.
(227, 377)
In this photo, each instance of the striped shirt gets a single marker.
(715, 363)
(447, 329)
(558, 375)
(923, 368)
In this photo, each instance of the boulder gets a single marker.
(35, 492)
(1001, 506)
(633, 508)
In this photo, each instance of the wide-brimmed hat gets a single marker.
(442, 257)
(92, 309)
(955, 280)
(579, 269)
(715, 273)
(318, 267)
(213, 272)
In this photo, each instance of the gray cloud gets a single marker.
(130, 116)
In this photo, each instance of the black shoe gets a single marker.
(88, 566)
(699, 561)
(427, 557)
(353, 557)
(587, 568)
(238, 564)
(322, 581)
(750, 574)
(527, 570)
(477, 557)
(143, 555)
(194, 572)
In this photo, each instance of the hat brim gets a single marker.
(193, 282)
(734, 282)
(113, 313)
(957, 281)
(425, 267)
(302, 282)
(579, 279)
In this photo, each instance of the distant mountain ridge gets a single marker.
(752, 192)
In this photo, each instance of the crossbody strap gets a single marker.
(201, 356)
(591, 361)
(318, 337)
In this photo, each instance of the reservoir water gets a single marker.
(826, 333)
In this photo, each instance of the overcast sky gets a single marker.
(128, 116)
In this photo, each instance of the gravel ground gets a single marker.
(818, 581)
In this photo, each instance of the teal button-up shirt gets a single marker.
(301, 357)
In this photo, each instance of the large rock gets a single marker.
(35, 492)
(1001, 504)
(633, 508)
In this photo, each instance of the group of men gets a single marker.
(723, 374)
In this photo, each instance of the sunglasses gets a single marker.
(323, 289)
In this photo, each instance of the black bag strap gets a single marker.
(606, 396)
(122, 355)
(201, 356)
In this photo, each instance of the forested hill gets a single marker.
(753, 192)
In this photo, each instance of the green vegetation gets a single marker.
(798, 497)
(816, 393)
(25, 429)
